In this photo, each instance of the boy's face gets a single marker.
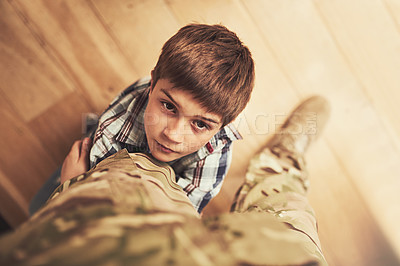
(176, 125)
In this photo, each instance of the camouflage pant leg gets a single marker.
(129, 211)
(277, 183)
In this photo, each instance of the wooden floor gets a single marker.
(60, 59)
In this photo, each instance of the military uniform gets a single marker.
(128, 210)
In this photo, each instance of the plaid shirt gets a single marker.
(200, 174)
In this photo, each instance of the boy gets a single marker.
(202, 81)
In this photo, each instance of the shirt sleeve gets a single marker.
(135, 86)
(203, 179)
(112, 120)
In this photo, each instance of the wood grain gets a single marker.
(24, 163)
(23, 62)
(81, 47)
(61, 125)
(62, 58)
(140, 29)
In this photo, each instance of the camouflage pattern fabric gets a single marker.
(129, 210)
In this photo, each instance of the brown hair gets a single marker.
(212, 64)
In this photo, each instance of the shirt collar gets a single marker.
(226, 135)
(132, 131)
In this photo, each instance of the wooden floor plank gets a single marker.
(23, 62)
(369, 40)
(140, 28)
(23, 161)
(80, 44)
(393, 8)
(60, 125)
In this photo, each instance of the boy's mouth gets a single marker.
(164, 149)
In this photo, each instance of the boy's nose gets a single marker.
(175, 130)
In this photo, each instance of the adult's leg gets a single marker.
(277, 181)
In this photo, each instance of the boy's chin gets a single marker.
(164, 157)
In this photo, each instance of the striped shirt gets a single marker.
(121, 126)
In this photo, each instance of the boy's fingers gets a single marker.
(86, 143)
(85, 148)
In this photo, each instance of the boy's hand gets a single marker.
(77, 160)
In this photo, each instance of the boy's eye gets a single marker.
(169, 106)
(201, 125)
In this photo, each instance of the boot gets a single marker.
(280, 166)
(301, 128)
